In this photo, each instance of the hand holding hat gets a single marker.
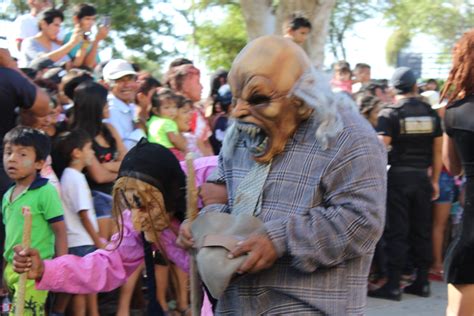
(185, 238)
(226, 244)
(261, 253)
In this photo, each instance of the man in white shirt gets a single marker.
(27, 25)
(122, 80)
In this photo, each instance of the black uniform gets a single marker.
(412, 125)
(459, 262)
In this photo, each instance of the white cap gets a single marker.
(117, 68)
(433, 98)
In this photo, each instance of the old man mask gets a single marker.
(262, 79)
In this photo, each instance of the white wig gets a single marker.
(314, 89)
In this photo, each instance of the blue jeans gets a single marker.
(102, 204)
(82, 251)
(446, 188)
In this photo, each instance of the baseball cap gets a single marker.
(117, 68)
(403, 79)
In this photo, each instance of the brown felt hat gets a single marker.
(215, 235)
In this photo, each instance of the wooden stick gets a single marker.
(191, 214)
(191, 190)
(20, 302)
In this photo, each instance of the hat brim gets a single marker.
(216, 234)
(121, 74)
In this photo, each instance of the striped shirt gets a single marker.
(324, 211)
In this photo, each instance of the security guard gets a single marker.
(411, 130)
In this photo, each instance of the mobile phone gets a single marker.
(105, 21)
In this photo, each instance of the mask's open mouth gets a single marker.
(254, 137)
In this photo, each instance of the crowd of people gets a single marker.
(83, 116)
(71, 122)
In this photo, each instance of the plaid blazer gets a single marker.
(324, 210)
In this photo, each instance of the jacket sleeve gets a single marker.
(350, 220)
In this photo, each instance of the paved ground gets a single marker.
(411, 305)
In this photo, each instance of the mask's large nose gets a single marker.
(241, 109)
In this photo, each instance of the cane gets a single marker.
(191, 214)
(20, 302)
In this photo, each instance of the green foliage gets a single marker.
(344, 16)
(148, 65)
(220, 42)
(445, 20)
(21, 6)
(396, 42)
(205, 4)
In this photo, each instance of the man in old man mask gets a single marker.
(304, 163)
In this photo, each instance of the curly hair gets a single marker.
(460, 82)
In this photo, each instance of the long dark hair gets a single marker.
(90, 98)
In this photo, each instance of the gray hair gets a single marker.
(314, 89)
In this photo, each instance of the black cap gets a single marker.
(403, 80)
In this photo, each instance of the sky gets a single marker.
(366, 44)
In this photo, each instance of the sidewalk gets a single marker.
(411, 305)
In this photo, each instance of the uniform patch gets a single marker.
(417, 125)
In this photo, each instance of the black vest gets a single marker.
(412, 144)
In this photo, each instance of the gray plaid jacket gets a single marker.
(324, 211)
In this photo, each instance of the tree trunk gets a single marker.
(261, 20)
(259, 17)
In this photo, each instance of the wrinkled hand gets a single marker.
(435, 194)
(212, 193)
(185, 238)
(102, 33)
(77, 35)
(6, 59)
(28, 260)
(261, 253)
